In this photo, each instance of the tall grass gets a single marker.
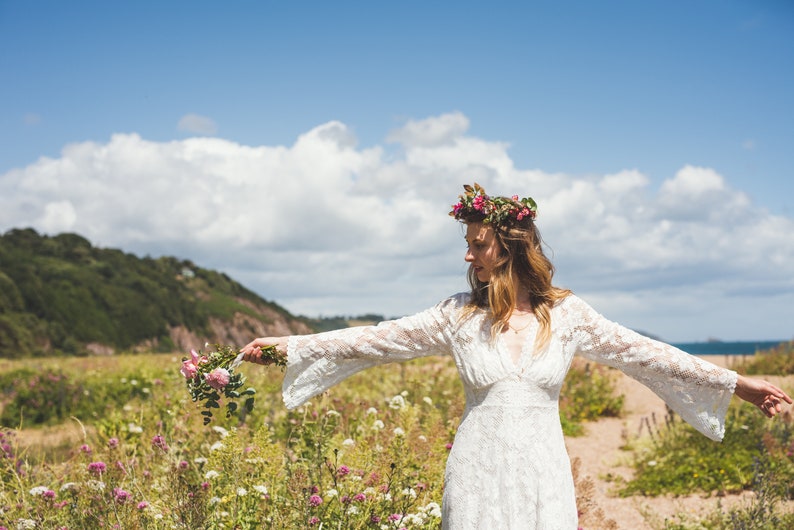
(368, 454)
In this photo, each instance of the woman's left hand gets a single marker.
(762, 394)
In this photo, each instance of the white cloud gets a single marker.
(58, 216)
(196, 124)
(323, 226)
(431, 132)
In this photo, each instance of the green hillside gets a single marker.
(62, 296)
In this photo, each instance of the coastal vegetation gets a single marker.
(59, 295)
(128, 446)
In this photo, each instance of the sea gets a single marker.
(728, 348)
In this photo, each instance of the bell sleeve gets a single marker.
(317, 362)
(697, 390)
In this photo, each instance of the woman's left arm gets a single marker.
(762, 394)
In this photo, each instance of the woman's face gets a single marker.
(483, 250)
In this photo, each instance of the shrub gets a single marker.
(679, 460)
(776, 361)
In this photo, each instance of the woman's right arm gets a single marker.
(314, 363)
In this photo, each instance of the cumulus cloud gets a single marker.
(325, 227)
(196, 124)
(431, 132)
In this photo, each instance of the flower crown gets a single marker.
(475, 206)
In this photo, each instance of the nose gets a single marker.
(469, 256)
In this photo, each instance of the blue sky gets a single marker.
(561, 94)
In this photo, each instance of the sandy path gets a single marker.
(600, 453)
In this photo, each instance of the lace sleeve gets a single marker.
(697, 390)
(317, 362)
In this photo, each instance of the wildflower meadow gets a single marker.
(118, 442)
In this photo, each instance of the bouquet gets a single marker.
(213, 375)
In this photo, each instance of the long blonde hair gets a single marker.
(521, 257)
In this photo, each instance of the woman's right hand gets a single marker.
(252, 352)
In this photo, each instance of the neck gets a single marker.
(523, 302)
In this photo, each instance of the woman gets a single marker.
(513, 338)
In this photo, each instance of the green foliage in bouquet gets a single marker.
(211, 376)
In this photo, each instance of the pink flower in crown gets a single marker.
(218, 378)
(457, 207)
(524, 213)
(515, 198)
(190, 366)
(478, 203)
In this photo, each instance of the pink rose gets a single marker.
(190, 366)
(218, 378)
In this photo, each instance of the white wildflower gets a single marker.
(427, 400)
(377, 425)
(96, 485)
(332, 413)
(216, 446)
(25, 524)
(200, 460)
(220, 430)
(242, 492)
(211, 474)
(652, 463)
(68, 486)
(409, 492)
(422, 438)
(260, 489)
(411, 519)
(215, 500)
(38, 490)
(352, 510)
(331, 493)
(137, 429)
(398, 432)
(432, 509)
(397, 402)
(134, 382)
(372, 411)
(349, 442)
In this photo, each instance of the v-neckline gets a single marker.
(517, 364)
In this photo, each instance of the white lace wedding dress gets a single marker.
(508, 467)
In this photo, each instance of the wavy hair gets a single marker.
(521, 257)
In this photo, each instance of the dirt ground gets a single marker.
(600, 453)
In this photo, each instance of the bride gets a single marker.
(512, 338)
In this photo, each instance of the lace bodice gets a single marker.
(509, 436)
